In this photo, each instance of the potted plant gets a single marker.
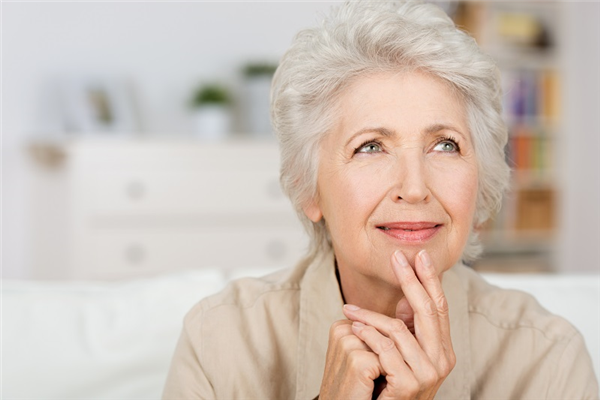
(257, 88)
(212, 112)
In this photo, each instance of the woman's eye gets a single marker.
(371, 147)
(447, 146)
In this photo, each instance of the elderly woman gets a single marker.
(392, 143)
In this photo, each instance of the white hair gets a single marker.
(360, 38)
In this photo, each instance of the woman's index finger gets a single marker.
(426, 319)
(432, 283)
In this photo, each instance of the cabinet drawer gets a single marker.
(182, 192)
(117, 254)
(173, 155)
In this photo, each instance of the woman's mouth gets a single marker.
(415, 232)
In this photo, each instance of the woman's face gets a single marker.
(398, 172)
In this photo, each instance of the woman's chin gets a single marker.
(442, 261)
(411, 256)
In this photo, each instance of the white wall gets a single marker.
(166, 49)
(580, 219)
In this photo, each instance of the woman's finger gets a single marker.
(397, 373)
(394, 329)
(351, 367)
(402, 379)
(405, 313)
(426, 318)
(433, 285)
(341, 336)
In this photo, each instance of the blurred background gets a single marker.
(136, 137)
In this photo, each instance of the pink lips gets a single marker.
(410, 231)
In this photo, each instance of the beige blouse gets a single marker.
(266, 339)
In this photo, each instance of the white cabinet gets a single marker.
(141, 207)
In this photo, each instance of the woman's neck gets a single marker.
(369, 292)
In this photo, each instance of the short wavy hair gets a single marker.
(360, 38)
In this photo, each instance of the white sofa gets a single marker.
(93, 340)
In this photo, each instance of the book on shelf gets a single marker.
(531, 96)
(535, 210)
(529, 151)
(526, 213)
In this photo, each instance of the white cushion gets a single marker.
(84, 340)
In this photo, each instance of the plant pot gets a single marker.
(256, 105)
(212, 122)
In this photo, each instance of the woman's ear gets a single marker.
(313, 211)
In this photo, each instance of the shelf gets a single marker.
(524, 58)
(524, 41)
(515, 264)
(541, 179)
(532, 125)
(517, 242)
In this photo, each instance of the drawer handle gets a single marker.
(135, 190)
(135, 254)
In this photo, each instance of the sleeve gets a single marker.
(574, 376)
(186, 378)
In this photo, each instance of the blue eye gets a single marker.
(369, 147)
(447, 146)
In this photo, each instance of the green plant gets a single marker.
(211, 94)
(259, 69)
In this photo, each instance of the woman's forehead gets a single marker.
(392, 104)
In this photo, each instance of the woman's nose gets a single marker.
(410, 180)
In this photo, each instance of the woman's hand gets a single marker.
(350, 367)
(370, 344)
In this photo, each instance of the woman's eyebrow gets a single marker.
(382, 131)
(431, 129)
(441, 127)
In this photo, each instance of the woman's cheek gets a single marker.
(454, 182)
(364, 182)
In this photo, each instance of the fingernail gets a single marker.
(401, 258)
(351, 307)
(425, 258)
(357, 325)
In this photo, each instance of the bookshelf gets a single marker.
(523, 38)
